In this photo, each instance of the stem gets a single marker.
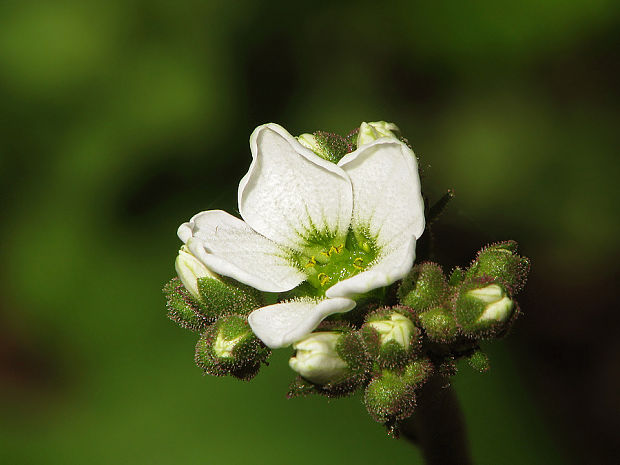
(437, 425)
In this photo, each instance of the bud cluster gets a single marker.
(217, 307)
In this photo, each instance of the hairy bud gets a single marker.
(439, 325)
(483, 308)
(391, 336)
(230, 347)
(316, 358)
(500, 261)
(424, 287)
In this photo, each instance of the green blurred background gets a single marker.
(121, 119)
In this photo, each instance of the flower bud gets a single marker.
(389, 397)
(439, 325)
(183, 308)
(230, 347)
(479, 361)
(483, 308)
(391, 336)
(372, 131)
(331, 147)
(397, 328)
(499, 261)
(424, 287)
(317, 358)
(190, 269)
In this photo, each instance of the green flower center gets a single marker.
(327, 260)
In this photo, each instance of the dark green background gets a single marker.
(121, 119)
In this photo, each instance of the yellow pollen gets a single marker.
(323, 278)
(358, 263)
(311, 262)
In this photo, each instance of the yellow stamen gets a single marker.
(323, 278)
(311, 262)
(358, 263)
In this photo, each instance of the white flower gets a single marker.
(316, 358)
(345, 229)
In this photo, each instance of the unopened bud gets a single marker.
(479, 361)
(389, 397)
(500, 261)
(230, 347)
(317, 359)
(372, 131)
(439, 325)
(424, 287)
(483, 307)
(332, 147)
(391, 337)
(396, 328)
(190, 269)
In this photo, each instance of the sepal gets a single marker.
(183, 309)
(224, 296)
(229, 347)
(425, 287)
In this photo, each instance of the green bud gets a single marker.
(390, 336)
(417, 372)
(183, 308)
(483, 308)
(224, 295)
(439, 325)
(316, 358)
(500, 261)
(424, 287)
(369, 132)
(389, 397)
(479, 361)
(230, 347)
(331, 147)
(456, 277)
(190, 269)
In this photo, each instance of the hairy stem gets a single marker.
(437, 426)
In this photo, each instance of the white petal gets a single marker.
(393, 264)
(282, 324)
(229, 247)
(289, 191)
(387, 200)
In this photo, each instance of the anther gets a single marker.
(358, 263)
(311, 262)
(323, 278)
